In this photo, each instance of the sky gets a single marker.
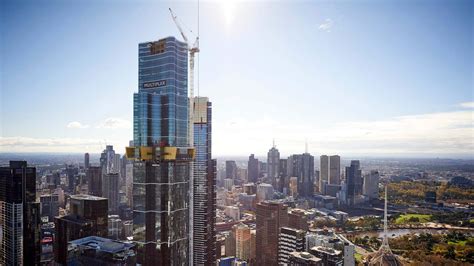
(373, 78)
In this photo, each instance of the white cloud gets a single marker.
(467, 105)
(326, 25)
(432, 134)
(76, 124)
(115, 123)
(80, 145)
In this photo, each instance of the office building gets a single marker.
(250, 188)
(86, 160)
(71, 172)
(252, 168)
(371, 185)
(110, 190)
(115, 227)
(302, 167)
(88, 216)
(129, 183)
(228, 183)
(334, 170)
(273, 164)
(293, 187)
(94, 250)
(49, 206)
(289, 240)
(20, 215)
(230, 242)
(283, 180)
(264, 192)
(323, 171)
(353, 181)
(253, 243)
(162, 154)
(298, 219)
(94, 180)
(230, 169)
(328, 256)
(108, 160)
(242, 242)
(270, 217)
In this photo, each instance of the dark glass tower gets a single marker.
(354, 181)
(20, 215)
(302, 166)
(204, 194)
(162, 154)
(252, 169)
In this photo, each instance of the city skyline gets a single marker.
(350, 79)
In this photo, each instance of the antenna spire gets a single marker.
(385, 245)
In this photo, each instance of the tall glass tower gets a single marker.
(162, 154)
(204, 185)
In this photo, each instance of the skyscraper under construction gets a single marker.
(162, 154)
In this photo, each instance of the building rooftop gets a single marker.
(102, 244)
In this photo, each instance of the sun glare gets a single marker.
(228, 11)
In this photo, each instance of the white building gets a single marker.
(264, 192)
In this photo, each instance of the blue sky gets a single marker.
(350, 77)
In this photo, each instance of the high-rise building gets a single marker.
(88, 216)
(283, 180)
(353, 181)
(252, 167)
(86, 160)
(204, 185)
(129, 183)
(289, 240)
(323, 172)
(20, 215)
(110, 190)
(264, 192)
(242, 241)
(334, 170)
(115, 227)
(273, 164)
(162, 153)
(71, 172)
(108, 161)
(270, 217)
(230, 169)
(302, 166)
(371, 185)
(49, 206)
(94, 180)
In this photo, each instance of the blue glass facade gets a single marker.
(204, 194)
(161, 188)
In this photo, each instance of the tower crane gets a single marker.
(193, 49)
